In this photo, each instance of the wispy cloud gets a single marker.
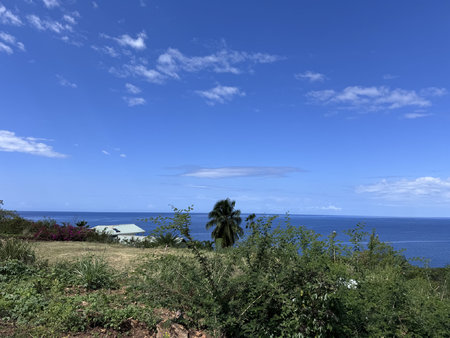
(105, 152)
(108, 50)
(229, 172)
(51, 3)
(132, 89)
(433, 91)
(94, 4)
(389, 77)
(220, 94)
(123, 155)
(415, 115)
(9, 142)
(329, 207)
(54, 26)
(423, 187)
(65, 83)
(375, 98)
(5, 48)
(9, 18)
(310, 76)
(127, 41)
(172, 63)
(142, 71)
(70, 19)
(134, 101)
(11, 40)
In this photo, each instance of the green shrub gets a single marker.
(94, 273)
(13, 248)
(100, 237)
(106, 312)
(16, 226)
(63, 315)
(12, 269)
(22, 302)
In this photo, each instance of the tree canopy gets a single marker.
(227, 222)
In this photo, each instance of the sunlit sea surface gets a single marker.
(427, 238)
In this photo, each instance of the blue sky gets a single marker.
(315, 107)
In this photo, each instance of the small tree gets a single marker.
(227, 222)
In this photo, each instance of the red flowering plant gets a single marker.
(56, 232)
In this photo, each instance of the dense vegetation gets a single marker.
(279, 280)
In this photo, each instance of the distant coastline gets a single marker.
(427, 237)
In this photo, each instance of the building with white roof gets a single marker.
(122, 231)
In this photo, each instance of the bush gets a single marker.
(55, 232)
(14, 248)
(12, 224)
(99, 237)
(94, 273)
(287, 281)
(14, 268)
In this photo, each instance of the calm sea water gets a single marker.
(427, 238)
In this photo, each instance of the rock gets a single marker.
(173, 330)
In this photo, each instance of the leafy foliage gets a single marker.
(285, 281)
(280, 280)
(226, 221)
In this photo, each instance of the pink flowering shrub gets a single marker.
(55, 232)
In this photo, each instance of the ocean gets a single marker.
(427, 238)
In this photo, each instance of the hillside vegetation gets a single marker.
(279, 280)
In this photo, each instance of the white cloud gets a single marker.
(8, 18)
(123, 155)
(375, 98)
(9, 41)
(105, 152)
(433, 91)
(149, 75)
(94, 4)
(64, 82)
(134, 101)
(331, 207)
(51, 25)
(415, 115)
(173, 61)
(9, 142)
(51, 3)
(8, 38)
(311, 76)
(5, 48)
(423, 187)
(106, 50)
(127, 41)
(228, 172)
(70, 19)
(220, 94)
(132, 89)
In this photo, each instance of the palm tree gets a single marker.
(227, 222)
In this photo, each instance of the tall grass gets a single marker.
(94, 273)
(13, 248)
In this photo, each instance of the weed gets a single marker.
(94, 273)
(14, 248)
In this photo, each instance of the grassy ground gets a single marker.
(117, 255)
